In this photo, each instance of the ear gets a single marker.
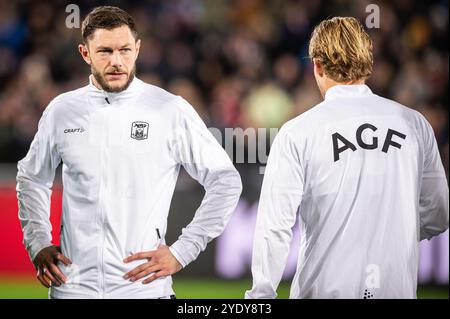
(84, 53)
(318, 69)
(138, 46)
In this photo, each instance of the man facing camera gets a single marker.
(121, 143)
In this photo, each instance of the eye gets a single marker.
(125, 50)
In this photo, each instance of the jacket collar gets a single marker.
(101, 97)
(347, 91)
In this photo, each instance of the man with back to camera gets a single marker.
(365, 177)
(121, 142)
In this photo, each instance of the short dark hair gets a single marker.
(106, 17)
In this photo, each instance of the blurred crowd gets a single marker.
(240, 63)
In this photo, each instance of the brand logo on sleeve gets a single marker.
(139, 130)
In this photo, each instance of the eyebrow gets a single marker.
(111, 49)
(104, 48)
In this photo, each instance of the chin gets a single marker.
(116, 86)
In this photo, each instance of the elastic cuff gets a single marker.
(36, 248)
(174, 249)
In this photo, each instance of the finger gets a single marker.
(57, 273)
(40, 277)
(141, 255)
(155, 276)
(66, 261)
(137, 270)
(52, 278)
(47, 278)
(43, 282)
(146, 272)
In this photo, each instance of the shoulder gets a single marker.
(171, 102)
(415, 120)
(393, 106)
(156, 94)
(61, 102)
(174, 106)
(70, 96)
(305, 121)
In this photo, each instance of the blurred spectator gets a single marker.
(267, 106)
(239, 63)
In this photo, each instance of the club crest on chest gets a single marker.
(139, 130)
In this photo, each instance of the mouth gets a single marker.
(115, 75)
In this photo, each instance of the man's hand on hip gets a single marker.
(48, 272)
(160, 262)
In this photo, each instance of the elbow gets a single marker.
(225, 182)
(445, 212)
(236, 183)
(20, 181)
(231, 183)
(23, 176)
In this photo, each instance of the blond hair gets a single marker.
(344, 49)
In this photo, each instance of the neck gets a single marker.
(328, 84)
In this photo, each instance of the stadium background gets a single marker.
(240, 64)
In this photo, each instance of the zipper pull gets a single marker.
(159, 236)
(107, 101)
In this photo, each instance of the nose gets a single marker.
(116, 60)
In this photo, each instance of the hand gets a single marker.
(161, 262)
(48, 272)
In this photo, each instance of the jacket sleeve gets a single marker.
(433, 202)
(280, 199)
(36, 172)
(206, 161)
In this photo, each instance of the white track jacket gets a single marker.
(121, 154)
(365, 178)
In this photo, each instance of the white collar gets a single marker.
(347, 91)
(101, 97)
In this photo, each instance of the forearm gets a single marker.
(34, 214)
(270, 252)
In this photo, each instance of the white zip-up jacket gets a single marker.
(365, 178)
(121, 154)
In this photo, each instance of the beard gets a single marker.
(106, 86)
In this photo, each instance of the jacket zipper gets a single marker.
(103, 164)
(103, 184)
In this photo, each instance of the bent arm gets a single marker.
(207, 162)
(36, 172)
